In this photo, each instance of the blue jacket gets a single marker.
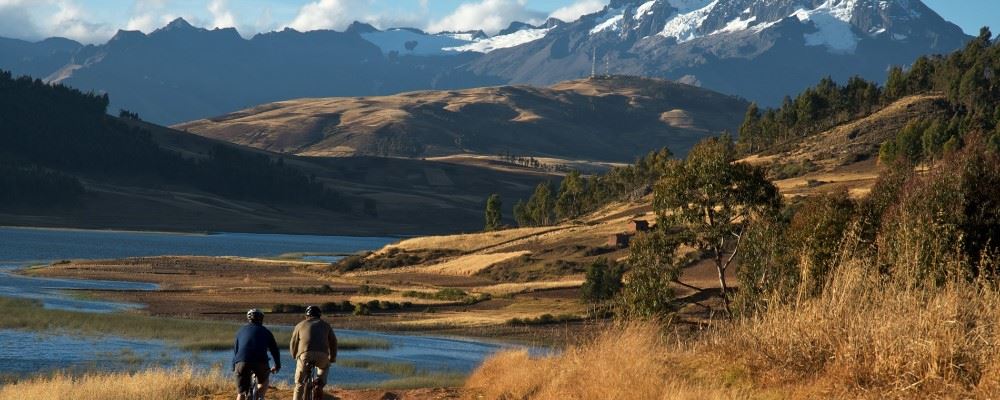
(252, 344)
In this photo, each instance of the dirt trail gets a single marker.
(365, 394)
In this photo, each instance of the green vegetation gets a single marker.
(544, 319)
(51, 134)
(407, 375)
(571, 201)
(579, 195)
(603, 281)
(449, 294)
(188, 334)
(195, 335)
(29, 184)
(392, 258)
(323, 289)
(654, 267)
(494, 215)
(422, 380)
(710, 199)
(371, 290)
(538, 210)
(967, 78)
(400, 369)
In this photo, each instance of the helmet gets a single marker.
(313, 311)
(255, 315)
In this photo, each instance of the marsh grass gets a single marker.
(406, 375)
(188, 334)
(430, 380)
(398, 369)
(154, 384)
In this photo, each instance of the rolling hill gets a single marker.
(605, 118)
(65, 163)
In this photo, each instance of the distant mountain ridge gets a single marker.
(761, 50)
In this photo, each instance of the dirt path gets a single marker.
(366, 394)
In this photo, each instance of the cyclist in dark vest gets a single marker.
(253, 342)
(313, 342)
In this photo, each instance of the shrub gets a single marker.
(647, 292)
(373, 290)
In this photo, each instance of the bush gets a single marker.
(648, 292)
(362, 309)
(448, 294)
(288, 309)
(373, 290)
(544, 319)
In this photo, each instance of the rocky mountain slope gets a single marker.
(759, 49)
(608, 118)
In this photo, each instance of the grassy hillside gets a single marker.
(616, 119)
(891, 292)
(65, 163)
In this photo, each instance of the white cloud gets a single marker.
(72, 21)
(578, 9)
(148, 15)
(15, 22)
(489, 15)
(329, 14)
(222, 17)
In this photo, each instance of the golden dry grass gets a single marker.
(863, 338)
(470, 264)
(502, 289)
(155, 384)
(624, 362)
(465, 242)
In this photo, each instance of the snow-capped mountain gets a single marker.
(759, 49)
(417, 42)
(762, 50)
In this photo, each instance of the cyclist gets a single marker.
(253, 342)
(313, 342)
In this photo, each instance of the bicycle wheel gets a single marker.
(253, 394)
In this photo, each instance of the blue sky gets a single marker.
(93, 21)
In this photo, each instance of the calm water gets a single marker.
(26, 353)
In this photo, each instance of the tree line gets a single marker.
(578, 195)
(969, 78)
(52, 134)
(922, 230)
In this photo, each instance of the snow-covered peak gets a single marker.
(686, 6)
(685, 26)
(838, 24)
(502, 41)
(833, 26)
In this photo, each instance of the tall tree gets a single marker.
(494, 216)
(541, 204)
(711, 198)
(571, 196)
(750, 134)
(522, 215)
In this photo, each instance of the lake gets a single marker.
(25, 353)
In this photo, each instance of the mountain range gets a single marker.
(761, 50)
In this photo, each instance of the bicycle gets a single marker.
(310, 385)
(253, 393)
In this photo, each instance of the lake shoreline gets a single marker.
(222, 288)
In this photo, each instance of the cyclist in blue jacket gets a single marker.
(253, 342)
